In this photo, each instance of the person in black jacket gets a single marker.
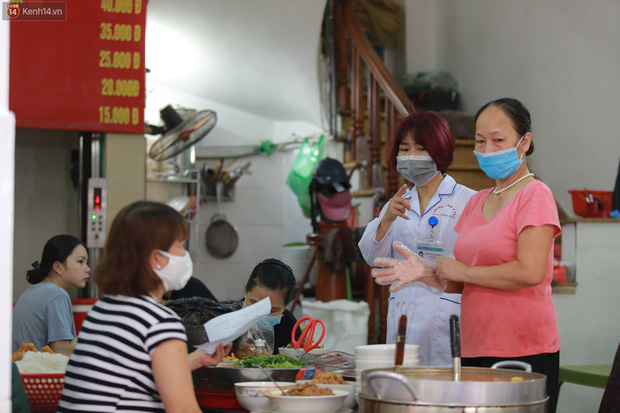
(274, 279)
(193, 288)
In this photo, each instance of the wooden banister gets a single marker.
(355, 70)
(376, 67)
(366, 88)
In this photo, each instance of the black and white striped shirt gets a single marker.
(110, 369)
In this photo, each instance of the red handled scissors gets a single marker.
(307, 334)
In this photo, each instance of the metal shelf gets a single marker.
(190, 177)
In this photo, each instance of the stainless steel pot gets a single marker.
(434, 389)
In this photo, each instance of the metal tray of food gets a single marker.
(222, 379)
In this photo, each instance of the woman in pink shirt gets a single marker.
(504, 253)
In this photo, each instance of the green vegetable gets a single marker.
(278, 362)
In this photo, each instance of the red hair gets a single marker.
(430, 131)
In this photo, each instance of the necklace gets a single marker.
(499, 191)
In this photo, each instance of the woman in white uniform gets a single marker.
(429, 202)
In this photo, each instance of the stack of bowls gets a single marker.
(377, 356)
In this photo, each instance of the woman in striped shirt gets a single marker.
(131, 353)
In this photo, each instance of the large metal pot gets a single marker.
(437, 389)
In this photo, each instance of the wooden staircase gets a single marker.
(465, 169)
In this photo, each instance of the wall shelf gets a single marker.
(190, 177)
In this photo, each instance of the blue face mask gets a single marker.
(500, 164)
(270, 320)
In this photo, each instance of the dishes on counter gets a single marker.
(291, 352)
(307, 404)
(298, 352)
(215, 386)
(251, 394)
(377, 356)
(362, 365)
(349, 402)
(383, 351)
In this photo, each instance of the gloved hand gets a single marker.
(410, 270)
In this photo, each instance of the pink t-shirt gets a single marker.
(501, 323)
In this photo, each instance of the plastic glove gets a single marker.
(411, 271)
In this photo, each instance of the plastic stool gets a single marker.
(590, 375)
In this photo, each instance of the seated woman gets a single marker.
(274, 279)
(132, 353)
(43, 314)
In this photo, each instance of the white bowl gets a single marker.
(318, 351)
(251, 394)
(380, 364)
(291, 352)
(383, 351)
(307, 404)
(389, 357)
(349, 402)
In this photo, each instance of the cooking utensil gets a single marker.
(433, 389)
(221, 237)
(273, 381)
(400, 342)
(455, 346)
(307, 334)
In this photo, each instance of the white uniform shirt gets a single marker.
(428, 314)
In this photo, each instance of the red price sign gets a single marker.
(85, 72)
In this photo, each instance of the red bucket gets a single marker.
(81, 307)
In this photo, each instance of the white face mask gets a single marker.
(177, 272)
(418, 170)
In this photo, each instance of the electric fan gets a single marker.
(179, 134)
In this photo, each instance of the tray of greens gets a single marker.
(270, 362)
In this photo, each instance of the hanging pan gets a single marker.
(222, 238)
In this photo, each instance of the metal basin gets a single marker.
(437, 386)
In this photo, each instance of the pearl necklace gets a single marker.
(499, 191)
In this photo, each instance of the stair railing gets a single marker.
(383, 104)
(363, 67)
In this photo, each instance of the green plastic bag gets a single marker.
(300, 176)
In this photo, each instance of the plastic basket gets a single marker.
(43, 391)
(579, 201)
